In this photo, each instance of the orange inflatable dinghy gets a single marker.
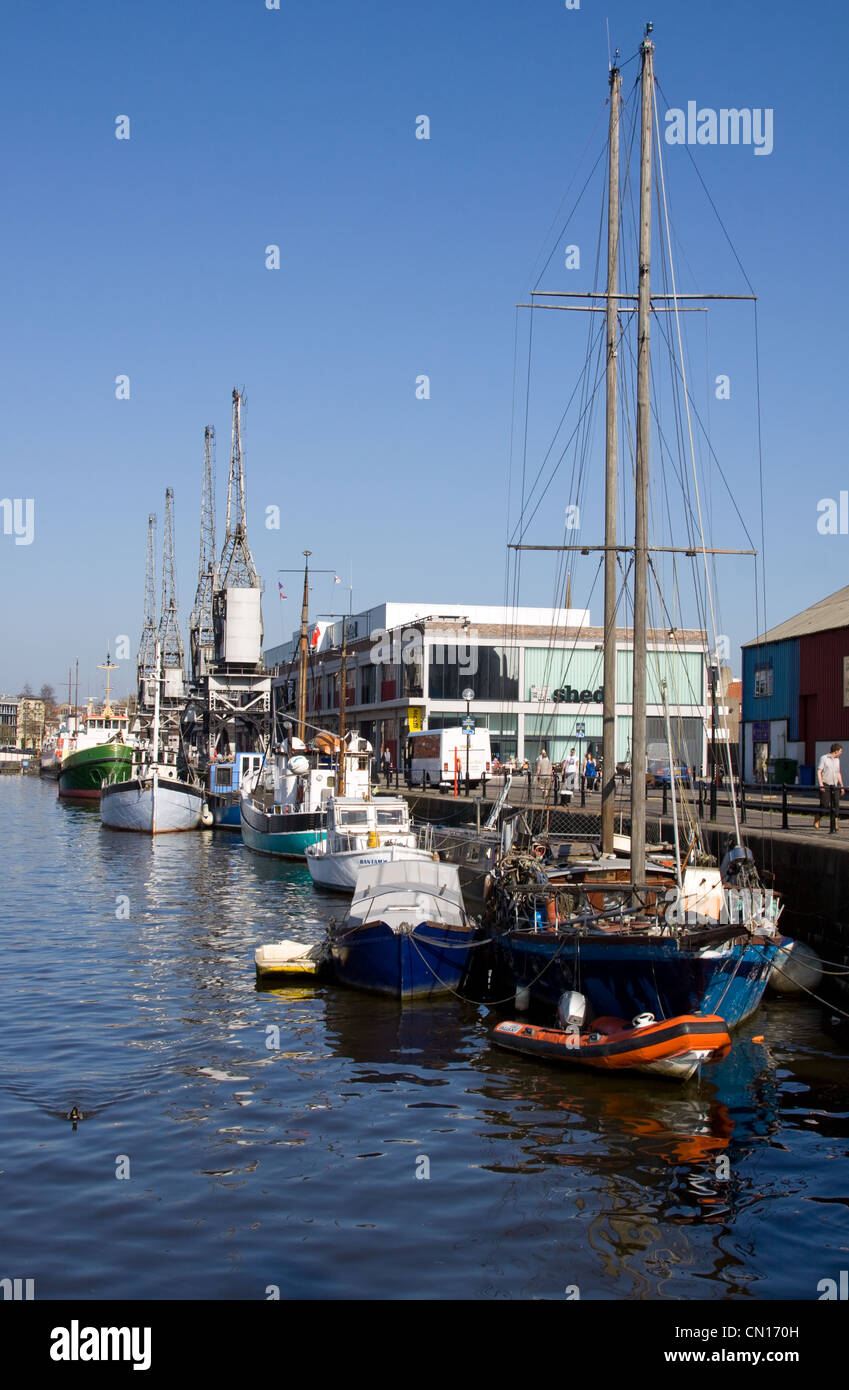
(674, 1047)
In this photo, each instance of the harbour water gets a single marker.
(168, 1131)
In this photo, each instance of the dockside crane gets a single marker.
(201, 632)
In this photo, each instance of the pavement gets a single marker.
(763, 807)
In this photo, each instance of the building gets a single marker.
(31, 722)
(796, 690)
(535, 674)
(9, 718)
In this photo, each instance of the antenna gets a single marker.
(201, 635)
(108, 666)
(237, 569)
(146, 660)
(169, 628)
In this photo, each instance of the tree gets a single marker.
(48, 695)
(26, 693)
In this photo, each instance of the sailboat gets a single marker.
(154, 800)
(648, 936)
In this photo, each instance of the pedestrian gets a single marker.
(570, 771)
(590, 772)
(543, 767)
(830, 780)
(387, 764)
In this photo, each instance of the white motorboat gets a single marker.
(362, 833)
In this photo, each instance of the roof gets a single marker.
(829, 613)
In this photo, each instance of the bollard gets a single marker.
(583, 790)
(701, 799)
(742, 802)
(530, 786)
(663, 812)
(832, 817)
(784, 806)
(713, 796)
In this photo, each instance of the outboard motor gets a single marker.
(572, 1011)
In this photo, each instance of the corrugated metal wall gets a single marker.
(784, 701)
(823, 716)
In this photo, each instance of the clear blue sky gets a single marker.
(399, 257)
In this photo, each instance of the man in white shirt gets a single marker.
(830, 780)
(570, 771)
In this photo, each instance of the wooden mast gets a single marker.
(638, 701)
(302, 674)
(608, 789)
(343, 682)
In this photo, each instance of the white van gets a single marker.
(436, 757)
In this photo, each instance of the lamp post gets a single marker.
(468, 696)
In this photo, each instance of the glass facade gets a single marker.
(503, 729)
(492, 672)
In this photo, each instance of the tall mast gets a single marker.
(107, 666)
(638, 702)
(343, 684)
(146, 659)
(170, 641)
(608, 790)
(202, 639)
(302, 675)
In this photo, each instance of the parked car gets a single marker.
(659, 772)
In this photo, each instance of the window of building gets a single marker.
(763, 682)
(492, 672)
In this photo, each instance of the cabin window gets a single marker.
(395, 818)
(354, 818)
(222, 779)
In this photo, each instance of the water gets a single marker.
(261, 1160)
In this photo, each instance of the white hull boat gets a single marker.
(360, 834)
(156, 804)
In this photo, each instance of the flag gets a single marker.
(336, 579)
(280, 587)
(315, 636)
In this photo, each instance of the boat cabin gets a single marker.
(355, 824)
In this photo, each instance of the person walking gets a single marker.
(590, 772)
(830, 780)
(543, 771)
(387, 764)
(570, 771)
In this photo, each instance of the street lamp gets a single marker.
(468, 696)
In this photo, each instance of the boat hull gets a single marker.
(83, 773)
(152, 807)
(674, 1048)
(281, 836)
(339, 871)
(429, 960)
(621, 978)
(225, 810)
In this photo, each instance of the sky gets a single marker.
(399, 258)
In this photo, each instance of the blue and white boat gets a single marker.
(706, 948)
(224, 780)
(406, 933)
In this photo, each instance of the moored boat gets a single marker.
(224, 781)
(673, 1047)
(283, 807)
(406, 933)
(361, 833)
(155, 801)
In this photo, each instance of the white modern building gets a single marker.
(536, 674)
